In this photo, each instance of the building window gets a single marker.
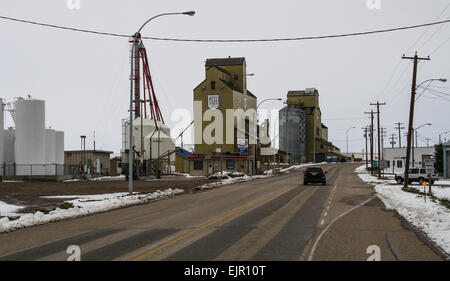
(230, 165)
(399, 164)
(388, 164)
(198, 165)
(213, 85)
(236, 77)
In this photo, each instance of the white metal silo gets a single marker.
(8, 147)
(30, 136)
(59, 151)
(50, 165)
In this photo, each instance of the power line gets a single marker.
(229, 40)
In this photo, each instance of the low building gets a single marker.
(446, 159)
(396, 158)
(93, 161)
(115, 166)
(181, 160)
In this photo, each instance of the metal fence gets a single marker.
(10, 170)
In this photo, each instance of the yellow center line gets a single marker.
(173, 241)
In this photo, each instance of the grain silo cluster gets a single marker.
(30, 149)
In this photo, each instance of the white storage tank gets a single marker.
(50, 165)
(8, 146)
(59, 152)
(30, 136)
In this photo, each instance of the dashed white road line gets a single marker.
(313, 249)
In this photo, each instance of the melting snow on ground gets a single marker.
(84, 205)
(8, 209)
(430, 217)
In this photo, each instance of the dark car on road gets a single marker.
(314, 175)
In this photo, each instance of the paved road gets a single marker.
(271, 219)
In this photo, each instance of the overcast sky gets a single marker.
(84, 78)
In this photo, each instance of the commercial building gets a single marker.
(306, 137)
(224, 89)
(396, 158)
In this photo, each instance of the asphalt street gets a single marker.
(270, 219)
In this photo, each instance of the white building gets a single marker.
(30, 148)
(396, 158)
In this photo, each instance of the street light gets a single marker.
(414, 131)
(257, 121)
(411, 120)
(347, 136)
(136, 41)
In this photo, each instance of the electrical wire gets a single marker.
(230, 40)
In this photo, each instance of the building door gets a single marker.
(210, 167)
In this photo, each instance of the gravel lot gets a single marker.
(29, 194)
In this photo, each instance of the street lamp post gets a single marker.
(257, 121)
(347, 137)
(411, 120)
(135, 56)
(414, 131)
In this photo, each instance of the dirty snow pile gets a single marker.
(84, 205)
(234, 177)
(8, 209)
(295, 167)
(430, 217)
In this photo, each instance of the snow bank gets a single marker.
(230, 178)
(85, 205)
(430, 217)
(8, 209)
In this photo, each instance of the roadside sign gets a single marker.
(429, 165)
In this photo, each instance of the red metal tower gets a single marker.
(149, 95)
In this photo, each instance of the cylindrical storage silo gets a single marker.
(50, 166)
(8, 146)
(8, 152)
(2, 126)
(30, 137)
(59, 152)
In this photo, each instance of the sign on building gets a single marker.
(213, 102)
(242, 146)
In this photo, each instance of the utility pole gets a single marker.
(392, 140)
(371, 140)
(383, 135)
(379, 135)
(415, 59)
(399, 128)
(366, 131)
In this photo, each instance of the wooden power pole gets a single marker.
(371, 140)
(379, 135)
(399, 128)
(415, 59)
